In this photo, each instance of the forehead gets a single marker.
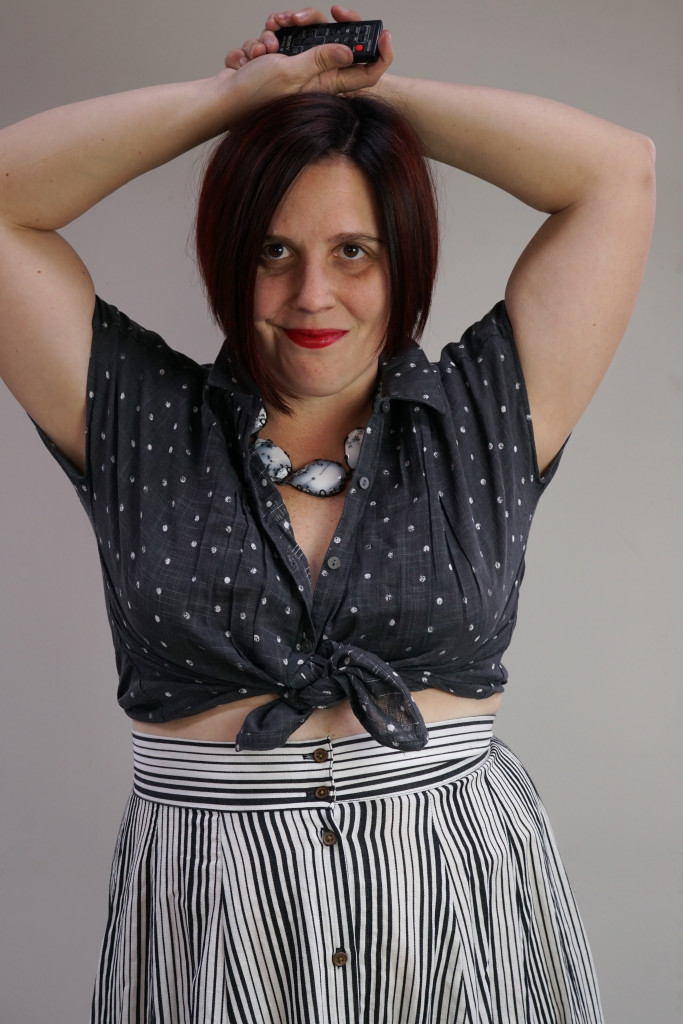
(334, 195)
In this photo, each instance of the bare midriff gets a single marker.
(223, 723)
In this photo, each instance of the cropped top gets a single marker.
(208, 594)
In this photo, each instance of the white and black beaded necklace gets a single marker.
(321, 477)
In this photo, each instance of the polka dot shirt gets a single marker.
(209, 596)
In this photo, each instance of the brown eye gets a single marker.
(352, 251)
(274, 251)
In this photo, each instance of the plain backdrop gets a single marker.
(593, 704)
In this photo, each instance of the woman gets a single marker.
(322, 824)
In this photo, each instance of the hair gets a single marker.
(249, 173)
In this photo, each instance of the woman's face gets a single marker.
(321, 300)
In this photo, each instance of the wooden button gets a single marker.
(329, 838)
(322, 792)
(339, 959)
(320, 755)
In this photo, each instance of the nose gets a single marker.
(314, 289)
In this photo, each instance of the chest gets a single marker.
(206, 565)
(314, 523)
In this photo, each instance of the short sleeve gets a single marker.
(129, 372)
(484, 385)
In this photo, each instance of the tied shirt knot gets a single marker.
(379, 698)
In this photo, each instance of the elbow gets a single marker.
(628, 171)
(641, 160)
(647, 177)
(649, 156)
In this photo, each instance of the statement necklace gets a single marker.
(322, 477)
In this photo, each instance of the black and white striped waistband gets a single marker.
(304, 773)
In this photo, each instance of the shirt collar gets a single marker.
(228, 374)
(408, 377)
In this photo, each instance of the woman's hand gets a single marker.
(326, 68)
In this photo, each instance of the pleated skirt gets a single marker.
(339, 882)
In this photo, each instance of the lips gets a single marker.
(321, 338)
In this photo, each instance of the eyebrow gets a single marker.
(345, 236)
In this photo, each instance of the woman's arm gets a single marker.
(55, 166)
(572, 291)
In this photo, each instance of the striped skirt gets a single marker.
(339, 882)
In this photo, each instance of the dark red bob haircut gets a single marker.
(249, 173)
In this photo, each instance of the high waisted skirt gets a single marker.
(339, 882)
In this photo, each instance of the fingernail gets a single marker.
(342, 55)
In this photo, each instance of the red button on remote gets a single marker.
(359, 48)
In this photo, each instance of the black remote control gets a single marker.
(361, 37)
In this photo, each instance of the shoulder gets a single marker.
(486, 394)
(486, 342)
(122, 347)
(137, 385)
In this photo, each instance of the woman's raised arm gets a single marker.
(56, 165)
(572, 291)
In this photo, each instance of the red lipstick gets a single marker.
(313, 339)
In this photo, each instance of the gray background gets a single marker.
(593, 704)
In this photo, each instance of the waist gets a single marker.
(305, 773)
(222, 724)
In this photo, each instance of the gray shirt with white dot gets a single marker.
(208, 594)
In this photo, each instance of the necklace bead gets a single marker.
(322, 478)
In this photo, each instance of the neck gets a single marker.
(326, 420)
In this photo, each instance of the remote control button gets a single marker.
(359, 47)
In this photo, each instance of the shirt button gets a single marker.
(339, 959)
(320, 755)
(322, 792)
(385, 405)
(364, 483)
(305, 645)
(334, 562)
(329, 838)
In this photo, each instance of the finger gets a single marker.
(308, 16)
(385, 51)
(253, 48)
(385, 48)
(270, 41)
(344, 14)
(285, 19)
(349, 77)
(331, 56)
(235, 59)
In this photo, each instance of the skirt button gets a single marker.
(322, 792)
(339, 959)
(329, 838)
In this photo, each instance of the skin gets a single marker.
(569, 296)
(324, 265)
